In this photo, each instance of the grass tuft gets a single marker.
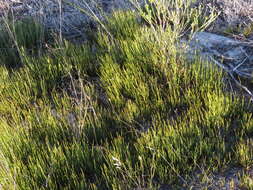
(125, 110)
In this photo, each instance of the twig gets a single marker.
(219, 64)
(235, 68)
(232, 76)
(244, 74)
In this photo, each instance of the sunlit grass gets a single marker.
(122, 111)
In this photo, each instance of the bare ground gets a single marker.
(232, 13)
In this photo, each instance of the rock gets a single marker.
(213, 44)
(234, 54)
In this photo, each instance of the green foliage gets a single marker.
(125, 110)
(26, 34)
(176, 15)
(246, 181)
(244, 152)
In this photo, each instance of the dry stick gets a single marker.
(244, 74)
(239, 65)
(60, 15)
(13, 37)
(240, 85)
(232, 76)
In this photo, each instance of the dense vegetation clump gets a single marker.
(124, 110)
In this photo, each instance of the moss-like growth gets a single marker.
(123, 111)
